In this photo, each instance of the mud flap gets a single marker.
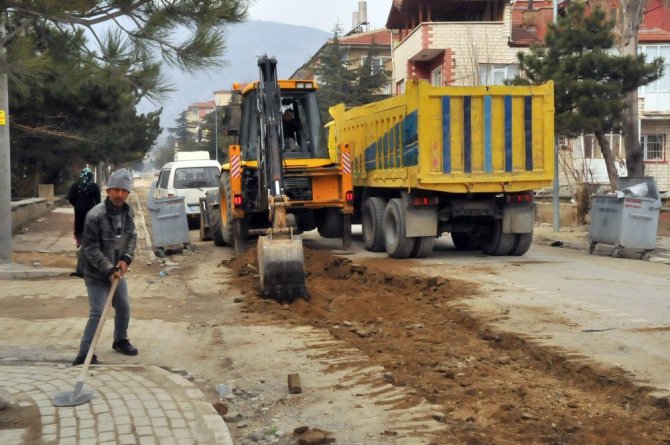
(281, 266)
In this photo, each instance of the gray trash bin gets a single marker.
(169, 225)
(627, 220)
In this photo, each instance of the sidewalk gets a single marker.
(132, 404)
(578, 238)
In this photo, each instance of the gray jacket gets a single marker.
(100, 248)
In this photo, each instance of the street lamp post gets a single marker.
(216, 133)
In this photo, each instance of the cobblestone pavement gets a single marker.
(132, 404)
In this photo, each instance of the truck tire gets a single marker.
(372, 220)
(226, 227)
(498, 243)
(397, 244)
(465, 241)
(423, 246)
(329, 223)
(306, 221)
(522, 244)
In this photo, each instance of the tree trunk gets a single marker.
(632, 17)
(631, 137)
(609, 158)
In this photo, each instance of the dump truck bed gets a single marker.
(491, 139)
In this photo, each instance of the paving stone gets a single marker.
(173, 417)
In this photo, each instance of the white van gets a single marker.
(190, 179)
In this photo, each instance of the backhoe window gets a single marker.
(309, 140)
(249, 136)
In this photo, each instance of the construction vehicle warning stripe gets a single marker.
(235, 170)
(346, 163)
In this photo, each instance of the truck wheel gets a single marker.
(225, 210)
(522, 244)
(306, 221)
(498, 243)
(423, 247)
(329, 223)
(465, 241)
(372, 220)
(397, 244)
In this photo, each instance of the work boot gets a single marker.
(80, 359)
(124, 347)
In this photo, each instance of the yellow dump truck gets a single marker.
(463, 160)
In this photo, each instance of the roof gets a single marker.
(375, 37)
(208, 104)
(653, 35)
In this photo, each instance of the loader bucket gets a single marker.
(282, 267)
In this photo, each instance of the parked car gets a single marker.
(190, 179)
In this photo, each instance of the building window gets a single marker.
(492, 74)
(377, 64)
(657, 93)
(653, 146)
(436, 77)
(400, 87)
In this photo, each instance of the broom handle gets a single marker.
(98, 330)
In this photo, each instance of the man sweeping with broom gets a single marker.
(107, 246)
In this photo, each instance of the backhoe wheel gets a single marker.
(465, 240)
(330, 223)
(217, 236)
(372, 219)
(226, 227)
(496, 242)
(522, 244)
(397, 244)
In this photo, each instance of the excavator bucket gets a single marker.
(282, 267)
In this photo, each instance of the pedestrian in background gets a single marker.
(107, 249)
(83, 195)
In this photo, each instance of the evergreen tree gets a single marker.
(165, 152)
(78, 113)
(340, 81)
(336, 77)
(140, 37)
(590, 80)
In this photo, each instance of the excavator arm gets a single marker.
(280, 252)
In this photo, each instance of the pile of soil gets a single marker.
(495, 388)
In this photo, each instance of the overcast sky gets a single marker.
(321, 14)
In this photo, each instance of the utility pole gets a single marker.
(5, 164)
(555, 195)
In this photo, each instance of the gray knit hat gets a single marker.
(120, 179)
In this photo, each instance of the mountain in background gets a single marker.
(291, 45)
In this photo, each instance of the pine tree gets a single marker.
(337, 79)
(590, 80)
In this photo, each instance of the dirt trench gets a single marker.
(495, 388)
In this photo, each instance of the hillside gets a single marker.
(291, 45)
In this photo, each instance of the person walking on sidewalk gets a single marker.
(83, 195)
(107, 247)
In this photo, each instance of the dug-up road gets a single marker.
(458, 348)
